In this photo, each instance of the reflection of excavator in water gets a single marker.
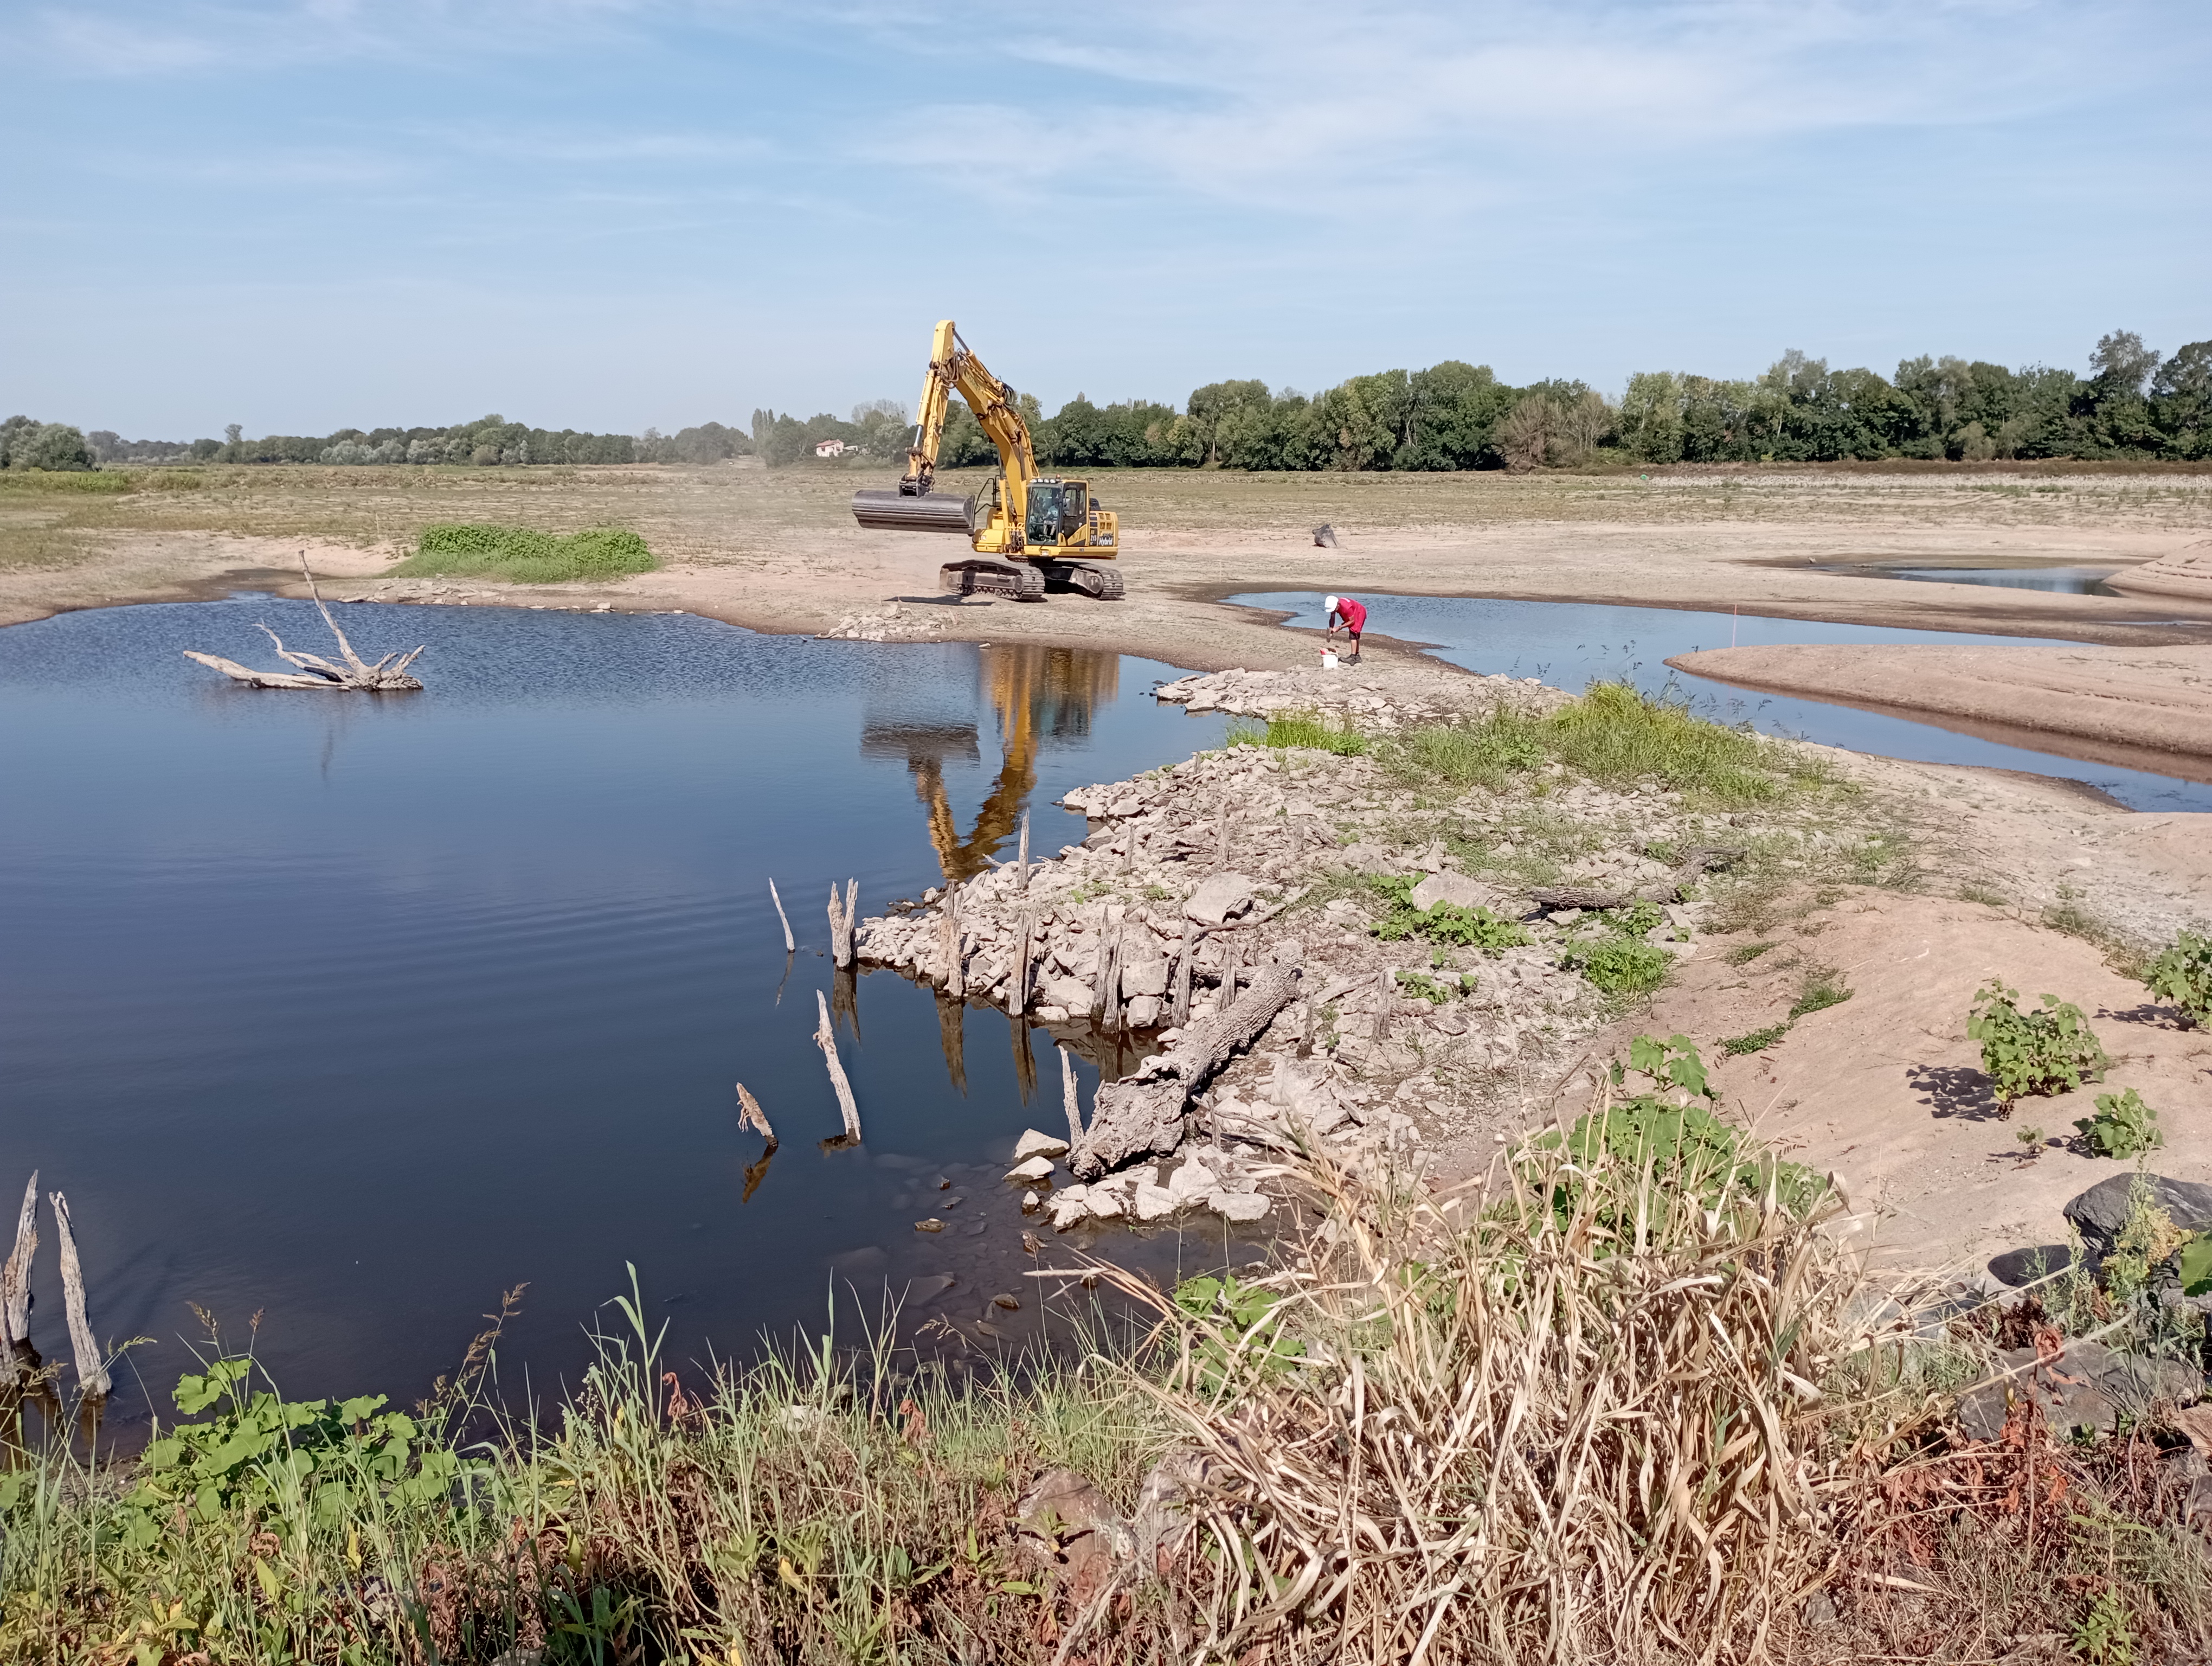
(1039, 694)
(1027, 529)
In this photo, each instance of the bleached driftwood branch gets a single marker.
(843, 916)
(780, 915)
(826, 1038)
(314, 670)
(750, 1115)
(91, 1369)
(15, 1278)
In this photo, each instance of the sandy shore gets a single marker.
(2138, 708)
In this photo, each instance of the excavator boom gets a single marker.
(1027, 527)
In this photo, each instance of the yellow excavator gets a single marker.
(1029, 530)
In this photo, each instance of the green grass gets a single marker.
(1821, 988)
(82, 482)
(1757, 1040)
(1306, 730)
(1744, 953)
(1613, 735)
(527, 556)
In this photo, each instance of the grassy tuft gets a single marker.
(1613, 734)
(1757, 1040)
(84, 483)
(526, 557)
(1822, 988)
(1308, 730)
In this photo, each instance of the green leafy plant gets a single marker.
(1253, 1312)
(2124, 1126)
(1620, 966)
(2031, 1144)
(1436, 991)
(272, 1455)
(2183, 974)
(1448, 923)
(1757, 1042)
(1668, 1126)
(2023, 1052)
(2102, 1636)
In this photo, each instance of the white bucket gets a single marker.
(1328, 658)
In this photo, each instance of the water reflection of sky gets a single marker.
(357, 1011)
(1571, 644)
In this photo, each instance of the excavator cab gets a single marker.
(1059, 513)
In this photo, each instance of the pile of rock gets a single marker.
(893, 625)
(1346, 695)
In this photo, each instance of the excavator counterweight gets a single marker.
(1029, 531)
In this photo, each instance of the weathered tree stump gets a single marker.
(1144, 1110)
(314, 672)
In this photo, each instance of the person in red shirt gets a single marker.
(1354, 618)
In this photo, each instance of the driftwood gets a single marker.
(314, 670)
(1701, 859)
(1179, 1011)
(91, 1369)
(789, 946)
(15, 1277)
(843, 916)
(1017, 983)
(751, 1116)
(948, 940)
(1144, 1111)
(826, 1038)
(1021, 858)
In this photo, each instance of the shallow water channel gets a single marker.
(354, 1011)
(1571, 645)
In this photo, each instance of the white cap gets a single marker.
(1329, 602)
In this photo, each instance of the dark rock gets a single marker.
(2019, 1266)
(2099, 1213)
(2088, 1387)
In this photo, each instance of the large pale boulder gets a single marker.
(1457, 889)
(1219, 899)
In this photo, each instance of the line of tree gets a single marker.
(2131, 405)
(26, 443)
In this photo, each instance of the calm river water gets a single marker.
(354, 1011)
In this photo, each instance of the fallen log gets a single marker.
(313, 671)
(1703, 859)
(1144, 1110)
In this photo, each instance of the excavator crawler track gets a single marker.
(1102, 582)
(1024, 583)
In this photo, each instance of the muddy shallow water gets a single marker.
(353, 1011)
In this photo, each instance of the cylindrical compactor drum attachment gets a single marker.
(937, 512)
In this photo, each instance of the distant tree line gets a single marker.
(2131, 405)
(489, 440)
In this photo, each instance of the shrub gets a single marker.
(2046, 1051)
(1307, 730)
(1620, 965)
(2123, 1126)
(527, 556)
(2183, 974)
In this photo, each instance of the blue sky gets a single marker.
(299, 214)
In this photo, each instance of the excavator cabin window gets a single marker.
(1058, 512)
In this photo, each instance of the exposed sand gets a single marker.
(2142, 709)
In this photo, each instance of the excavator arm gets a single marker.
(954, 368)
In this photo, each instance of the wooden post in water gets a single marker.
(843, 916)
(826, 1038)
(948, 935)
(15, 1278)
(1021, 858)
(1017, 981)
(91, 1370)
(1067, 1098)
(789, 946)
